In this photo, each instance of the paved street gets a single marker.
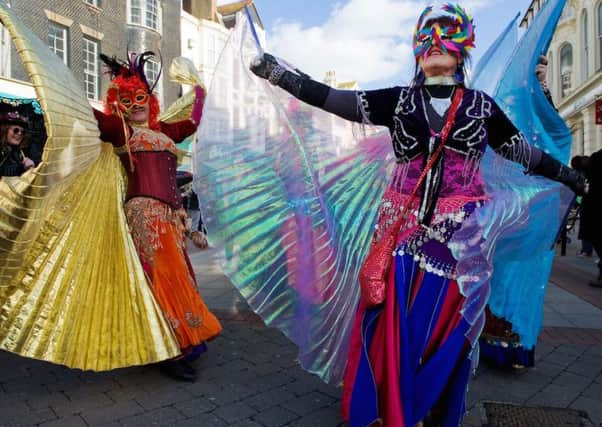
(250, 377)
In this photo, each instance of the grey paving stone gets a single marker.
(194, 407)
(593, 391)
(66, 383)
(549, 369)
(542, 350)
(306, 384)
(158, 417)
(572, 349)
(555, 395)
(327, 417)
(205, 420)
(235, 412)
(588, 320)
(81, 403)
(271, 381)
(275, 416)
(269, 399)
(534, 377)
(47, 400)
(557, 320)
(570, 380)
(142, 377)
(594, 351)
(247, 423)
(330, 390)
(107, 414)
(126, 393)
(561, 358)
(163, 398)
(308, 403)
(22, 415)
(202, 388)
(72, 421)
(221, 396)
(29, 386)
(586, 366)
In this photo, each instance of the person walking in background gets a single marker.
(586, 246)
(195, 230)
(590, 224)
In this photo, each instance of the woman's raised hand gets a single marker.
(264, 65)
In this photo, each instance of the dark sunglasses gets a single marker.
(17, 130)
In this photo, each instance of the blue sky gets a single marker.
(365, 40)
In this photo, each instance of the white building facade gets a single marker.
(575, 69)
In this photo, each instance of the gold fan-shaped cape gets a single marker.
(72, 290)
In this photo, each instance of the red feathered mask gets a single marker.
(129, 86)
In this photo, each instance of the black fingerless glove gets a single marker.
(297, 83)
(551, 168)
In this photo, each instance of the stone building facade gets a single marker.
(78, 30)
(575, 69)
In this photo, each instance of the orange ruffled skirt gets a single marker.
(158, 232)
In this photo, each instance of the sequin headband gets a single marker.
(456, 38)
(14, 117)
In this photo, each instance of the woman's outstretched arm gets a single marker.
(343, 103)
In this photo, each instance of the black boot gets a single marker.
(178, 369)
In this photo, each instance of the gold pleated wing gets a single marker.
(72, 290)
(182, 71)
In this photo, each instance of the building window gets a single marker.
(585, 44)
(152, 69)
(95, 3)
(91, 74)
(57, 40)
(145, 13)
(566, 69)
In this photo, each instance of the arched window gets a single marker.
(566, 69)
(146, 13)
(585, 44)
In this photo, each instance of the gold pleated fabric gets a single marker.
(72, 290)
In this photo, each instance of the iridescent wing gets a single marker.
(72, 289)
(290, 195)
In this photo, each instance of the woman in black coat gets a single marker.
(13, 138)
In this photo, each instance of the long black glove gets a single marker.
(295, 82)
(551, 168)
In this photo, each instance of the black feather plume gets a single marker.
(115, 66)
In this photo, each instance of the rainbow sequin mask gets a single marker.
(452, 31)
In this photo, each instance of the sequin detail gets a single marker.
(147, 219)
(144, 139)
(427, 244)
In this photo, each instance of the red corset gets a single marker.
(154, 176)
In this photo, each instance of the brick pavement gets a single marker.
(250, 376)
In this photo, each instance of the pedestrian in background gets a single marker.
(590, 225)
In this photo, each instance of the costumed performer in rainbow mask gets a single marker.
(412, 344)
